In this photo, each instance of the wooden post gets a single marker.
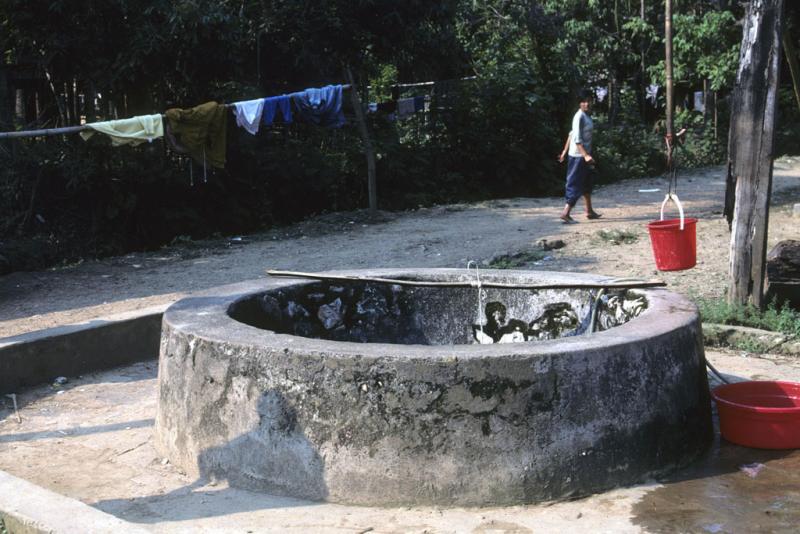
(791, 58)
(366, 139)
(750, 147)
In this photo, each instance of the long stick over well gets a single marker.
(466, 283)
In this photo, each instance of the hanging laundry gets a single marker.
(419, 103)
(248, 114)
(133, 131)
(405, 107)
(322, 107)
(601, 93)
(200, 132)
(372, 107)
(388, 107)
(275, 103)
(699, 101)
(652, 93)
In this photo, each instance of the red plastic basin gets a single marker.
(760, 414)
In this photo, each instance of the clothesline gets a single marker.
(83, 127)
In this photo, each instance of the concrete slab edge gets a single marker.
(38, 357)
(26, 508)
(752, 339)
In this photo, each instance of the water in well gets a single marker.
(390, 313)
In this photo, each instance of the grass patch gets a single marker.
(513, 261)
(618, 237)
(752, 345)
(784, 319)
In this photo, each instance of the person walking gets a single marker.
(580, 163)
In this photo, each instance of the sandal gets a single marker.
(593, 215)
(566, 219)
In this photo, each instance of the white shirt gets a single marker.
(582, 126)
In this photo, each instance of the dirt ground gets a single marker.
(442, 236)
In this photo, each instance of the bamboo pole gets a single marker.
(668, 73)
(466, 283)
(43, 133)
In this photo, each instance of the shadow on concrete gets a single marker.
(75, 431)
(274, 458)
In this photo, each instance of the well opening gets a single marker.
(368, 312)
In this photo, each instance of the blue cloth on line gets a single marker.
(322, 106)
(275, 103)
(579, 179)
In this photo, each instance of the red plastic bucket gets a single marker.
(760, 414)
(674, 241)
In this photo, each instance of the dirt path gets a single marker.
(443, 236)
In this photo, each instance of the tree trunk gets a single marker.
(613, 100)
(68, 104)
(6, 105)
(89, 109)
(750, 146)
(791, 58)
(19, 107)
(716, 116)
(366, 139)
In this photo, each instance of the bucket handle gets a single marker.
(676, 200)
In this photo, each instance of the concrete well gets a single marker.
(385, 397)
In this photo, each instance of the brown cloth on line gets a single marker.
(200, 131)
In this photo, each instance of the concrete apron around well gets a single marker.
(448, 423)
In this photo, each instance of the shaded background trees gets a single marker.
(509, 70)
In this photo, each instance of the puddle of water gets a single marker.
(725, 493)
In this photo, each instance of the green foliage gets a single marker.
(493, 135)
(628, 151)
(751, 344)
(784, 319)
(699, 148)
(787, 131)
(704, 47)
(618, 237)
(517, 260)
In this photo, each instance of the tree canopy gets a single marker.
(507, 73)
